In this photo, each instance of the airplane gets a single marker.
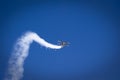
(63, 43)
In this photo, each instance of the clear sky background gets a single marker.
(92, 28)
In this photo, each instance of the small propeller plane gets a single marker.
(63, 43)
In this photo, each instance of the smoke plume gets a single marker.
(20, 53)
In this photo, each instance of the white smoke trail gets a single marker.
(20, 53)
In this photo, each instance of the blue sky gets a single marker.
(91, 28)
